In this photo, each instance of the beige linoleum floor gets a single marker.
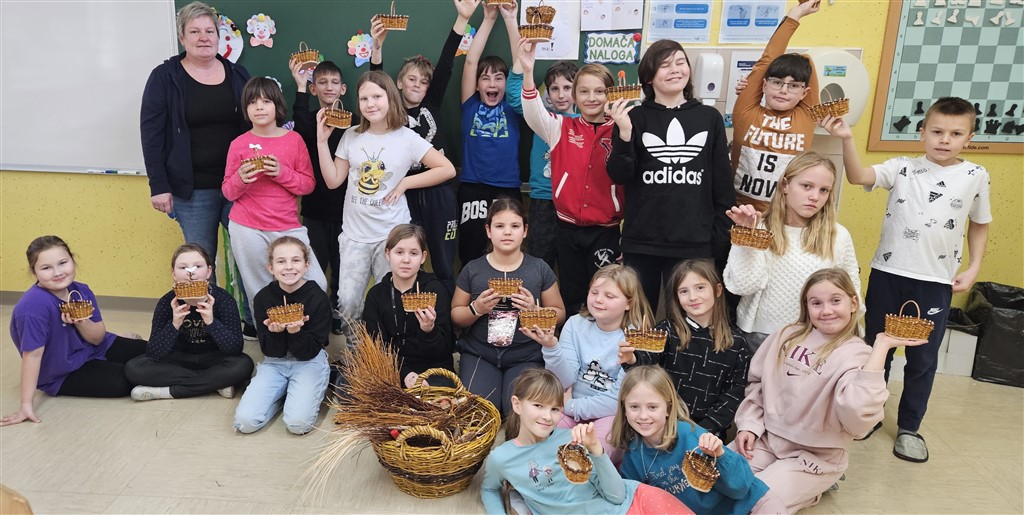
(181, 456)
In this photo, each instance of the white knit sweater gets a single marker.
(770, 285)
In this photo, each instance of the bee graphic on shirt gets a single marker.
(372, 174)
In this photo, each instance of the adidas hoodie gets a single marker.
(678, 180)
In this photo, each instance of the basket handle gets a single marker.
(303, 44)
(72, 292)
(459, 387)
(714, 459)
(392, 7)
(446, 443)
(915, 305)
(337, 101)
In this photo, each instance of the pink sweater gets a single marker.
(826, 406)
(268, 203)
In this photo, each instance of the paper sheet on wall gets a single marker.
(740, 64)
(565, 40)
(745, 21)
(682, 21)
(611, 14)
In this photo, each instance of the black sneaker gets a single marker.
(248, 332)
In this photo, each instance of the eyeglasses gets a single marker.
(792, 87)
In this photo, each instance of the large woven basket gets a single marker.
(700, 470)
(908, 327)
(428, 463)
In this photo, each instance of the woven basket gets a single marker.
(76, 309)
(540, 13)
(536, 33)
(306, 54)
(413, 301)
(648, 340)
(427, 463)
(338, 118)
(700, 470)
(835, 108)
(575, 462)
(394, 21)
(286, 313)
(545, 318)
(505, 287)
(498, 2)
(908, 327)
(191, 290)
(747, 237)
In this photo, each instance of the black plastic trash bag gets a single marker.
(959, 321)
(999, 309)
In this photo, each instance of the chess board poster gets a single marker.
(973, 49)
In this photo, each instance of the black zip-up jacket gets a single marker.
(305, 344)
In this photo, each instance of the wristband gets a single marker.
(472, 309)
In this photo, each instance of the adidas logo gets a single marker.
(886, 256)
(933, 196)
(675, 148)
(941, 184)
(903, 171)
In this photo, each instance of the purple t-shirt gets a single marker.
(36, 322)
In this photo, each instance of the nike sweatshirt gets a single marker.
(678, 180)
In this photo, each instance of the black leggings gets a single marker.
(104, 378)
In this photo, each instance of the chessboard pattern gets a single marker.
(973, 49)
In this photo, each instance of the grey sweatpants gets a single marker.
(359, 261)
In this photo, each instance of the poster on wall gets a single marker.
(682, 21)
(612, 47)
(750, 22)
(741, 62)
(565, 39)
(611, 14)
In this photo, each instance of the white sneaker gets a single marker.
(146, 393)
(227, 392)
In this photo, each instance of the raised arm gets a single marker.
(379, 34)
(855, 173)
(508, 14)
(446, 61)
(476, 49)
(334, 169)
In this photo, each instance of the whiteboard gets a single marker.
(71, 79)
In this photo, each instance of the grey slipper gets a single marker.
(910, 447)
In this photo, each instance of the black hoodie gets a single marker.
(678, 180)
(312, 336)
(417, 350)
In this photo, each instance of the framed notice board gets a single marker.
(973, 49)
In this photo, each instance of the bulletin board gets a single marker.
(971, 49)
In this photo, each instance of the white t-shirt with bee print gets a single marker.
(377, 163)
(926, 216)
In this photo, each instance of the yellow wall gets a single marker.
(123, 244)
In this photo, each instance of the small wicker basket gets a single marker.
(575, 462)
(338, 117)
(498, 3)
(835, 108)
(540, 13)
(286, 313)
(504, 286)
(648, 340)
(622, 90)
(192, 292)
(700, 470)
(306, 54)
(413, 301)
(749, 237)
(536, 32)
(257, 159)
(394, 21)
(908, 327)
(545, 318)
(76, 309)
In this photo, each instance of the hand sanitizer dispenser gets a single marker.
(709, 77)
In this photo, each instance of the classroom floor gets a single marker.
(181, 456)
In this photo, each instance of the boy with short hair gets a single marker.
(921, 247)
(423, 86)
(766, 138)
(321, 209)
(490, 135)
(542, 239)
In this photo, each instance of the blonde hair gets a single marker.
(533, 385)
(626, 280)
(720, 332)
(803, 327)
(658, 380)
(193, 11)
(396, 117)
(594, 70)
(819, 236)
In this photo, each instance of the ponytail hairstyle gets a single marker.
(819, 236)
(803, 327)
(720, 332)
(658, 380)
(533, 385)
(627, 280)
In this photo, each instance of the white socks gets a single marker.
(148, 393)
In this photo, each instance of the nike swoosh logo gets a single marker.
(788, 373)
(934, 311)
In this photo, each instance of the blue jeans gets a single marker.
(198, 218)
(297, 386)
